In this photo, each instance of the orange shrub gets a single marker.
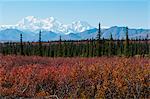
(103, 77)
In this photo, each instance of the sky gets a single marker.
(131, 13)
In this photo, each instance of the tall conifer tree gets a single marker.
(126, 43)
(40, 44)
(99, 41)
(21, 44)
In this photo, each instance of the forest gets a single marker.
(94, 47)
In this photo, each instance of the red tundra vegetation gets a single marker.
(103, 77)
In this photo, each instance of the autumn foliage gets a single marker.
(103, 77)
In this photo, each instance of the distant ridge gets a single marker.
(117, 33)
(52, 29)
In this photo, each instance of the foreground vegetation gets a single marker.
(103, 77)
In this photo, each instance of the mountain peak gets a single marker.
(31, 23)
(30, 17)
(50, 18)
(80, 26)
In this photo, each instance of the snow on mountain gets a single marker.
(52, 29)
(33, 24)
(79, 26)
(3, 27)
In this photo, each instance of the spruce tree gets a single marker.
(21, 44)
(87, 48)
(111, 46)
(126, 43)
(40, 44)
(60, 47)
(99, 32)
(99, 41)
(147, 45)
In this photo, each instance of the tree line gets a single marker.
(79, 48)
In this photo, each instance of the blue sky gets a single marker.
(131, 13)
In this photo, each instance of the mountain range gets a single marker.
(52, 29)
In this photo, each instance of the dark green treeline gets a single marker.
(81, 48)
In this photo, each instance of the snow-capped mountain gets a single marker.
(52, 29)
(31, 23)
